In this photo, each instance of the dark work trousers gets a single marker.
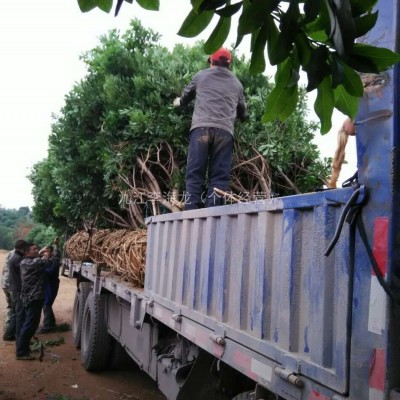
(33, 311)
(10, 325)
(19, 311)
(49, 319)
(50, 294)
(209, 148)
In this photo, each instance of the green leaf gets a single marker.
(276, 101)
(361, 64)
(257, 56)
(228, 11)
(218, 35)
(87, 5)
(345, 102)
(343, 30)
(105, 5)
(195, 23)
(303, 47)
(281, 50)
(153, 5)
(324, 104)
(282, 100)
(208, 5)
(359, 7)
(383, 58)
(291, 103)
(238, 40)
(196, 4)
(255, 15)
(352, 82)
(282, 76)
(365, 23)
(272, 38)
(317, 68)
(337, 71)
(311, 9)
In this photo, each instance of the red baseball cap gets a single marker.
(221, 53)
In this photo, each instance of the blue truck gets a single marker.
(292, 298)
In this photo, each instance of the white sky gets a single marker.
(40, 45)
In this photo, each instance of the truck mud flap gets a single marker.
(197, 378)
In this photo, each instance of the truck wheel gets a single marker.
(95, 339)
(79, 304)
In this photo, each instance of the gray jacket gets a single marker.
(219, 99)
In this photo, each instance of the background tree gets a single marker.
(117, 152)
(14, 225)
(42, 235)
(316, 36)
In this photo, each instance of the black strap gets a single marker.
(352, 214)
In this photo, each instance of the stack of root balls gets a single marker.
(123, 250)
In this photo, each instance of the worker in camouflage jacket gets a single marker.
(9, 327)
(13, 281)
(33, 271)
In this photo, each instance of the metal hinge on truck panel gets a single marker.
(97, 279)
(289, 376)
(218, 336)
(138, 311)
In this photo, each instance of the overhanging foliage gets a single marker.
(316, 36)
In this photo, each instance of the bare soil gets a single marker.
(60, 376)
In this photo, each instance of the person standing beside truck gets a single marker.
(219, 100)
(51, 286)
(9, 327)
(14, 283)
(32, 296)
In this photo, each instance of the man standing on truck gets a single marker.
(219, 101)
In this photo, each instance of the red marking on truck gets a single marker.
(314, 395)
(244, 361)
(377, 369)
(380, 246)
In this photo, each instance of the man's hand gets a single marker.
(44, 251)
(177, 102)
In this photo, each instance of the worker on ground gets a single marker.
(14, 284)
(32, 295)
(219, 100)
(9, 326)
(52, 283)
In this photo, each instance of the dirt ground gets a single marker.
(60, 376)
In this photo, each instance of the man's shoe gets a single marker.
(26, 358)
(46, 330)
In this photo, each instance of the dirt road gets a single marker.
(60, 375)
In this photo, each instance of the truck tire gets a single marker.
(79, 304)
(95, 339)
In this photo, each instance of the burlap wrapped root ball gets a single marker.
(123, 250)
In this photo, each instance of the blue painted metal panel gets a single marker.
(378, 166)
(258, 271)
